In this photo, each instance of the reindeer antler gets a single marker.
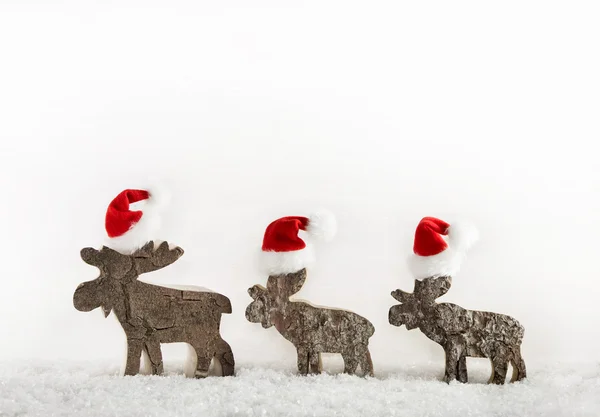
(256, 290)
(147, 259)
(402, 296)
(145, 251)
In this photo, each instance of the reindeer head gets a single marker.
(117, 269)
(410, 312)
(268, 302)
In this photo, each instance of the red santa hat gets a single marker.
(128, 229)
(284, 252)
(440, 247)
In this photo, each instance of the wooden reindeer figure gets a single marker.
(438, 251)
(151, 314)
(462, 333)
(312, 330)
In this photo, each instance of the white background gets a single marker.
(383, 112)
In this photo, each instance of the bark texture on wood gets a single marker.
(312, 330)
(462, 333)
(151, 314)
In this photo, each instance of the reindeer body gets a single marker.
(312, 330)
(461, 332)
(315, 330)
(151, 314)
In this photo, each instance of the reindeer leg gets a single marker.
(314, 363)
(500, 368)
(350, 362)
(302, 360)
(519, 369)
(452, 356)
(462, 369)
(202, 367)
(134, 354)
(224, 355)
(155, 355)
(493, 372)
(366, 364)
(203, 362)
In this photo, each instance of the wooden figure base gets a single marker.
(151, 314)
(312, 330)
(462, 333)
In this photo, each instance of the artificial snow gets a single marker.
(88, 389)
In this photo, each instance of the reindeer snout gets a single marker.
(79, 301)
(89, 256)
(86, 296)
(395, 317)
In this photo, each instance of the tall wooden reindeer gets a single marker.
(312, 330)
(438, 252)
(461, 332)
(151, 314)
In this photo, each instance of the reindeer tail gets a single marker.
(370, 328)
(223, 303)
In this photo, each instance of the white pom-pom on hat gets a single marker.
(322, 224)
(462, 235)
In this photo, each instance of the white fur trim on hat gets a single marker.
(279, 263)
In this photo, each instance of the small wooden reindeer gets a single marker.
(461, 332)
(312, 330)
(150, 314)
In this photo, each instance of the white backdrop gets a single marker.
(383, 112)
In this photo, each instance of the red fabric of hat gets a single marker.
(119, 219)
(282, 234)
(428, 237)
